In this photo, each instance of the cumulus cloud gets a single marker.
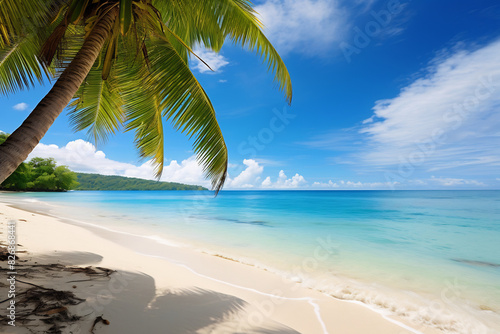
(446, 118)
(82, 156)
(305, 26)
(283, 182)
(20, 106)
(249, 177)
(216, 61)
(188, 171)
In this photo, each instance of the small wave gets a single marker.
(31, 200)
(163, 241)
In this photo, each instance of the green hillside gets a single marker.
(113, 182)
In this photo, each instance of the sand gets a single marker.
(182, 291)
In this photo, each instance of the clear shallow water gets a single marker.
(430, 256)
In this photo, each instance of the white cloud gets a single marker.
(329, 184)
(284, 182)
(267, 183)
(354, 185)
(305, 26)
(446, 182)
(445, 119)
(188, 171)
(433, 182)
(20, 106)
(216, 61)
(452, 182)
(249, 177)
(82, 156)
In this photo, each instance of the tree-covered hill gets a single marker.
(113, 182)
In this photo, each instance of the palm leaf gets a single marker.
(145, 117)
(169, 87)
(210, 22)
(97, 107)
(241, 25)
(18, 18)
(19, 65)
(182, 18)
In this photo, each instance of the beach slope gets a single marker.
(184, 291)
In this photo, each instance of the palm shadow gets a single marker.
(129, 300)
(176, 312)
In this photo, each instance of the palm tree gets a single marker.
(124, 63)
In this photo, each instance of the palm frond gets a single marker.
(97, 107)
(240, 23)
(53, 43)
(170, 87)
(19, 65)
(69, 46)
(145, 118)
(182, 17)
(18, 18)
(210, 22)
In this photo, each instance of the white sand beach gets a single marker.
(183, 291)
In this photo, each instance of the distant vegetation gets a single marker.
(113, 182)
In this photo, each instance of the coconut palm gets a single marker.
(124, 63)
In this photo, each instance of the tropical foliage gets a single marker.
(19, 178)
(113, 182)
(39, 175)
(125, 64)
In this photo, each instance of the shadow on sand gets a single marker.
(130, 302)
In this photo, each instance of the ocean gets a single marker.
(430, 257)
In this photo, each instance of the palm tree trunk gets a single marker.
(21, 142)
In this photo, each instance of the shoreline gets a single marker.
(270, 300)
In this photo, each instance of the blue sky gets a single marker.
(387, 95)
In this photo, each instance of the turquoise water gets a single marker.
(400, 251)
